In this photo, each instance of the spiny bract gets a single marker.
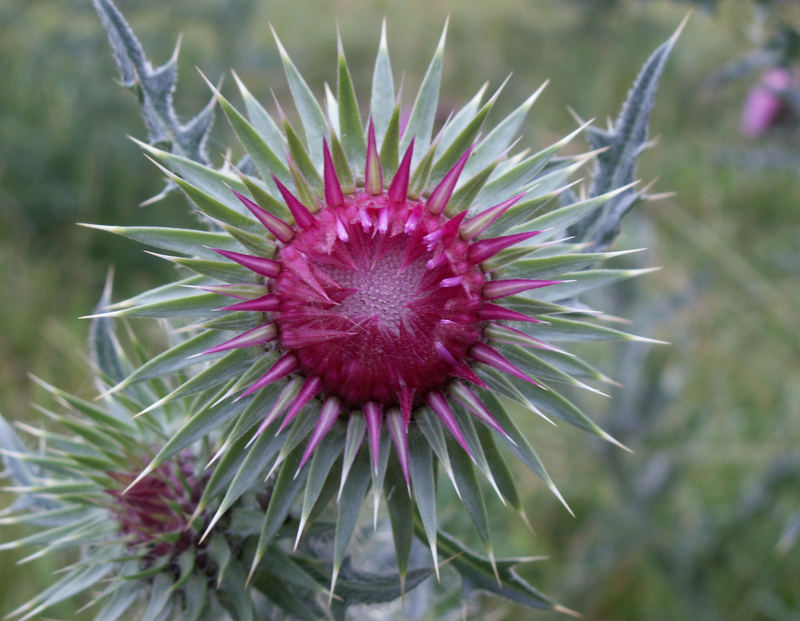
(390, 285)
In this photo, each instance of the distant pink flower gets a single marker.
(764, 104)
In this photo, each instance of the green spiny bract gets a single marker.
(294, 230)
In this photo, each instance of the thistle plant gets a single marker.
(400, 295)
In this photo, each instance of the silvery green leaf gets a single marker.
(119, 603)
(518, 443)
(401, 515)
(351, 131)
(512, 179)
(261, 120)
(477, 573)
(261, 154)
(311, 115)
(353, 493)
(320, 470)
(17, 469)
(471, 493)
(423, 479)
(287, 485)
(622, 144)
(560, 329)
(577, 283)
(382, 99)
(501, 136)
(420, 122)
(159, 596)
(155, 88)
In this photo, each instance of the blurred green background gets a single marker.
(687, 526)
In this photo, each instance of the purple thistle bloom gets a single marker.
(764, 105)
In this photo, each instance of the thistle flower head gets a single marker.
(764, 105)
(159, 504)
(391, 287)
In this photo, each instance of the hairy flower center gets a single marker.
(382, 287)
(378, 300)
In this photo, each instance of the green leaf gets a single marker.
(186, 241)
(74, 582)
(264, 158)
(231, 365)
(501, 474)
(352, 498)
(553, 266)
(350, 128)
(581, 282)
(471, 494)
(401, 515)
(212, 183)
(621, 146)
(420, 122)
(341, 165)
(311, 115)
(283, 567)
(562, 329)
(320, 470)
(382, 99)
(477, 573)
(160, 592)
(105, 352)
(194, 596)
(355, 587)
(551, 402)
(192, 305)
(501, 136)
(390, 147)
(177, 357)
(235, 596)
(356, 427)
(261, 120)
(511, 181)
(462, 141)
(194, 428)
(517, 442)
(286, 488)
(308, 181)
(555, 222)
(464, 196)
(423, 486)
(254, 467)
(285, 599)
(460, 120)
(119, 603)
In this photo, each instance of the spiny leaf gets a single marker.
(420, 123)
(501, 136)
(311, 115)
(350, 128)
(352, 498)
(622, 145)
(382, 99)
(424, 488)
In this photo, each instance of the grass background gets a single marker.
(684, 528)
